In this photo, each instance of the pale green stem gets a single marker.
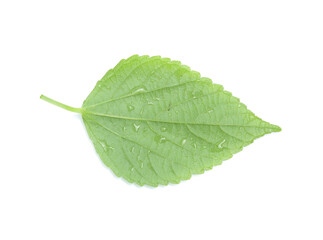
(61, 105)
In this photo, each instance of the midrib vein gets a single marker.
(172, 122)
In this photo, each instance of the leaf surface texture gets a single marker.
(154, 121)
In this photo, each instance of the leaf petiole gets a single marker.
(61, 105)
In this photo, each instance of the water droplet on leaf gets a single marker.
(138, 89)
(136, 127)
(104, 145)
(131, 108)
(221, 143)
(160, 139)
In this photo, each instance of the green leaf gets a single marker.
(154, 121)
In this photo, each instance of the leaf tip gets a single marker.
(276, 128)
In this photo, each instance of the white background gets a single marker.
(54, 186)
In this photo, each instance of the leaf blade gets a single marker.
(167, 122)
